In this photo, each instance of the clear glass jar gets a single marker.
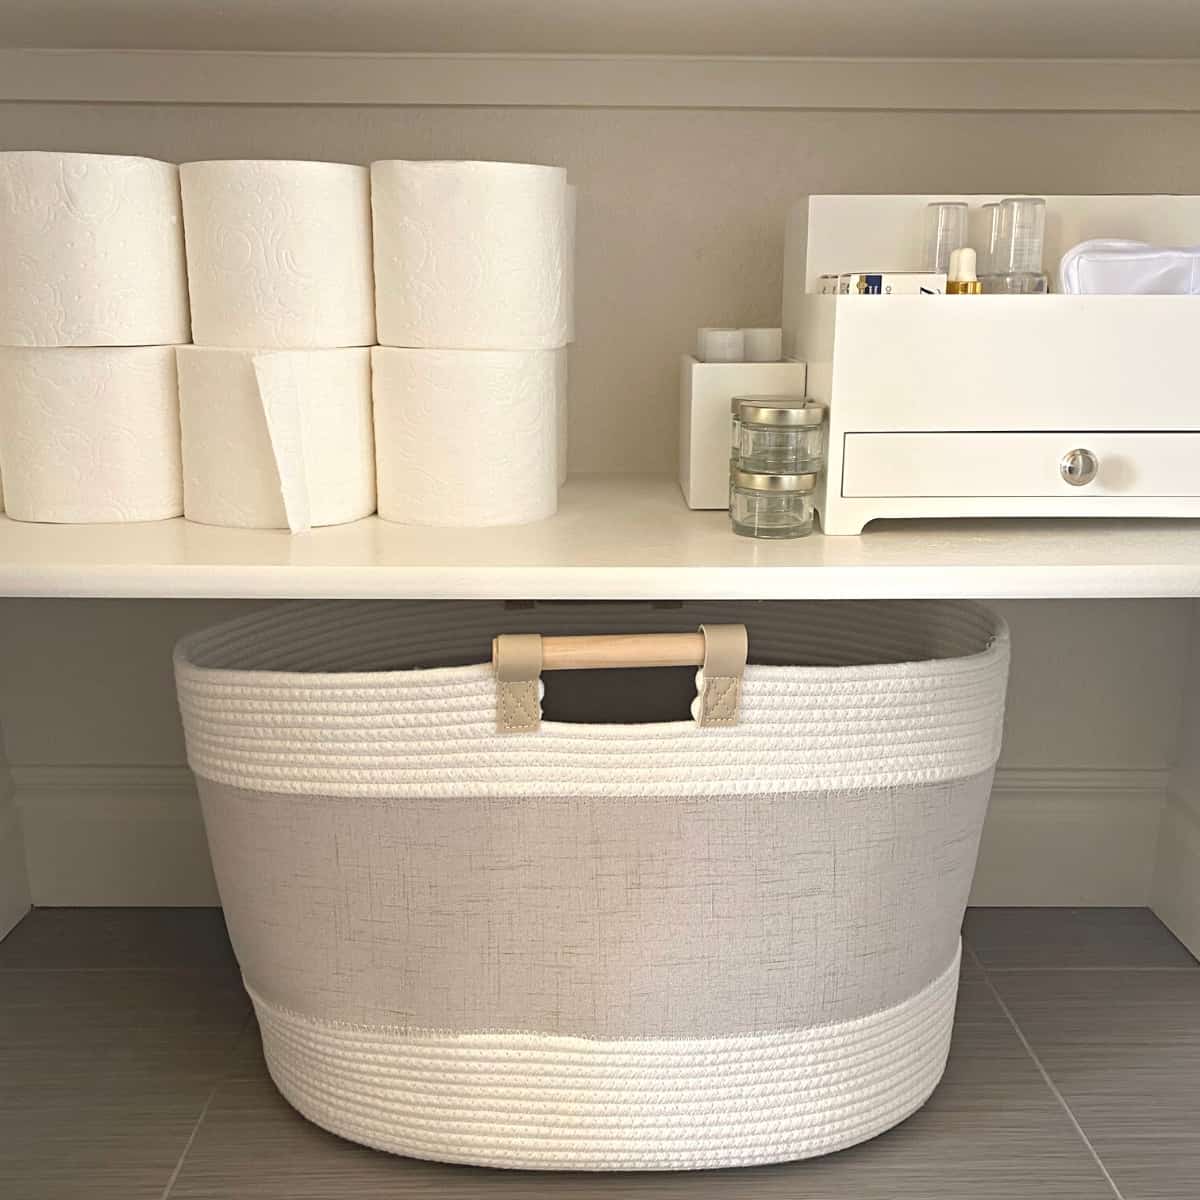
(779, 435)
(771, 506)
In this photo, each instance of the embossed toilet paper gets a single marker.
(562, 416)
(90, 434)
(276, 439)
(279, 253)
(92, 251)
(472, 255)
(467, 437)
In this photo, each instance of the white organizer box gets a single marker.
(944, 406)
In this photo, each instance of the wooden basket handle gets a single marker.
(520, 658)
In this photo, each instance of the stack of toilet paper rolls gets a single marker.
(275, 395)
(93, 300)
(474, 285)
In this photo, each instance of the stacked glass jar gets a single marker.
(778, 450)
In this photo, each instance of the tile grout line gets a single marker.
(191, 1138)
(212, 1095)
(1081, 970)
(232, 968)
(1037, 1062)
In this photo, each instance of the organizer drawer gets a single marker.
(1021, 464)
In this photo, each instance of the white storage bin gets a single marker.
(598, 946)
(1105, 375)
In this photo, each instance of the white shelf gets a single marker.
(615, 537)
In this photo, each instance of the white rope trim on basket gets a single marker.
(545, 1101)
(431, 732)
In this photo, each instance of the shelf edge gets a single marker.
(605, 583)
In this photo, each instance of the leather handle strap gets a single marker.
(517, 658)
(719, 691)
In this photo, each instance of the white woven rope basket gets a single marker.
(612, 946)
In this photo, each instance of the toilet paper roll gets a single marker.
(763, 345)
(279, 253)
(90, 434)
(569, 261)
(467, 437)
(92, 251)
(563, 416)
(471, 255)
(276, 439)
(714, 344)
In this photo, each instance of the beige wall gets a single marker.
(680, 224)
(1095, 685)
(680, 211)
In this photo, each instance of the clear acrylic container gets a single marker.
(1016, 265)
(987, 256)
(779, 435)
(945, 232)
(1016, 283)
(771, 506)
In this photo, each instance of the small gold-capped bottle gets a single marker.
(962, 280)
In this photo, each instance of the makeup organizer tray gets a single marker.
(995, 405)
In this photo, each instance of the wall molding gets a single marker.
(159, 786)
(133, 835)
(113, 835)
(14, 884)
(604, 81)
(1070, 836)
(1175, 896)
(1084, 780)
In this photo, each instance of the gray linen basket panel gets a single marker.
(609, 917)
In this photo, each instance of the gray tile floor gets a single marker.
(130, 1068)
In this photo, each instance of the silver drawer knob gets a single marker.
(1078, 467)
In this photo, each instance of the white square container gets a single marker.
(705, 393)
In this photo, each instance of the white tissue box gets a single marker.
(705, 393)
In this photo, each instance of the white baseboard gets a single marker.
(1070, 836)
(125, 836)
(1175, 896)
(134, 836)
(14, 883)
